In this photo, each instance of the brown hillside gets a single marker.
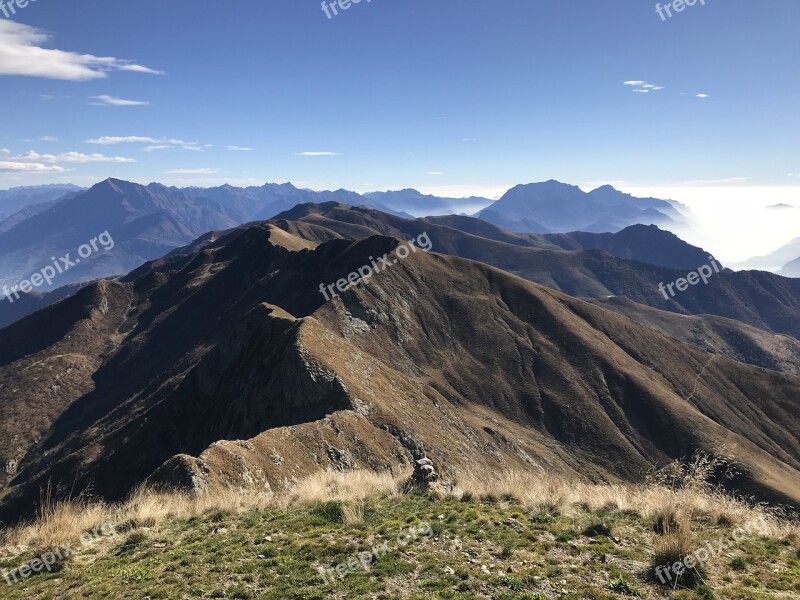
(476, 368)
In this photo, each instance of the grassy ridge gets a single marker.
(505, 546)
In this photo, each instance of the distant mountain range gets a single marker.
(784, 261)
(146, 222)
(16, 199)
(421, 205)
(553, 207)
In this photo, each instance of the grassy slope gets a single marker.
(475, 552)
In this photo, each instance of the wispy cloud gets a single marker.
(48, 138)
(192, 171)
(35, 168)
(318, 154)
(435, 173)
(111, 101)
(642, 87)
(702, 95)
(108, 140)
(7, 151)
(239, 149)
(70, 157)
(21, 53)
(154, 143)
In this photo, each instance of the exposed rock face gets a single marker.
(435, 358)
(424, 475)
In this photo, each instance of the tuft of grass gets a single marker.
(738, 563)
(673, 546)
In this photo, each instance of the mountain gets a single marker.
(555, 207)
(140, 222)
(643, 243)
(791, 269)
(419, 204)
(227, 367)
(759, 299)
(15, 199)
(264, 202)
(774, 261)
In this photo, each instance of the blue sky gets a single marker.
(445, 95)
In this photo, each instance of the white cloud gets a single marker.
(21, 53)
(7, 151)
(111, 101)
(70, 157)
(702, 95)
(107, 140)
(154, 144)
(642, 87)
(435, 173)
(318, 154)
(48, 138)
(18, 167)
(239, 149)
(192, 171)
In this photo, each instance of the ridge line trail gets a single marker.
(699, 375)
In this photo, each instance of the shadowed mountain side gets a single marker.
(235, 342)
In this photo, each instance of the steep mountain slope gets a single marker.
(717, 335)
(756, 298)
(552, 207)
(145, 378)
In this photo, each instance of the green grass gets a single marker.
(471, 553)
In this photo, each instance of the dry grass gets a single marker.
(64, 522)
(61, 522)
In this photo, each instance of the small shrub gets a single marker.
(622, 586)
(738, 564)
(331, 511)
(134, 540)
(597, 529)
(507, 551)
